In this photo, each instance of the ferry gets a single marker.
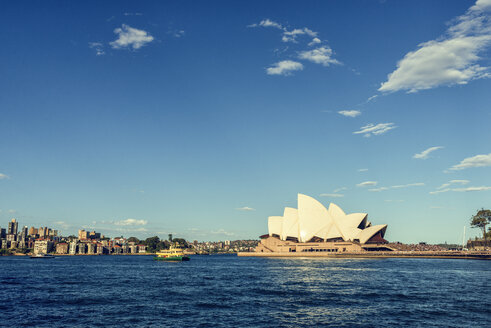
(174, 253)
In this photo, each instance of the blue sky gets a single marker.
(204, 118)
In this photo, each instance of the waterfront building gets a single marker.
(117, 249)
(43, 246)
(133, 249)
(313, 228)
(82, 248)
(73, 248)
(3, 233)
(142, 249)
(91, 248)
(5, 244)
(13, 244)
(62, 248)
(99, 248)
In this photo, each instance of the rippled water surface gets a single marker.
(228, 291)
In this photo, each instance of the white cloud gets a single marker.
(3, 176)
(222, 232)
(321, 55)
(98, 47)
(267, 23)
(350, 113)
(314, 41)
(332, 195)
(130, 37)
(291, 36)
(179, 33)
(339, 189)
(362, 170)
(475, 161)
(424, 154)
(372, 129)
(417, 184)
(245, 208)
(449, 60)
(466, 189)
(452, 182)
(284, 67)
(367, 183)
(131, 222)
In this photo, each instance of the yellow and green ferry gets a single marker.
(174, 253)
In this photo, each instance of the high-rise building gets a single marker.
(13, 226)
(2, 233)
(23, 234)
(82, 234)
(33, 231)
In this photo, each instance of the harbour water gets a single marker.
(229, 291)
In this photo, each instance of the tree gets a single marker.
(133, 240)
(480, 220)
(152, 243)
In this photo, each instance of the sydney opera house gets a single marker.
(313, 228)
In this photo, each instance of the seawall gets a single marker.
(482, 255)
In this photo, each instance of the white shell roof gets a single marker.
(313, 219)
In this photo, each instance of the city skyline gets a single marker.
(204, 119)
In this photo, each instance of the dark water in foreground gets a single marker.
(227, 291)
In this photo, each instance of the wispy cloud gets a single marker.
(448, 60)
(417, 184)
(130, 37)
(466, 189)
(322, 55)
(475, 161)
(367, 184)
(291, 36)
(340, 189)
(285, 67)
(179, 33)
(222, 232)
(98, 47)
(424, 154)
(245, 209)
(332, 195)
(267, 23)
(394, 200)
(350, 113)
(3, 176)
(131, 222)
(453, 182)
(362, 170)
(375, 129)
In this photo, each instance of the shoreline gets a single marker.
(473, 255)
